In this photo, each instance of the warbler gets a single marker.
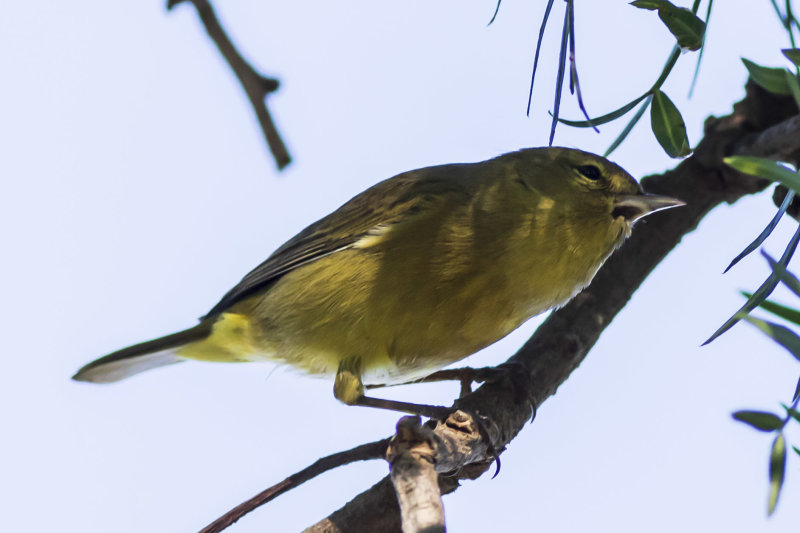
(416, 272)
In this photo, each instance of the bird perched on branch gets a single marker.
(416, 272)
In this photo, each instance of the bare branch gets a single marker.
(379, 503)
(365, 452)
(412, 454)
(761, 124)
(256, 86)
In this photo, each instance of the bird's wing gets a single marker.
(387, 203)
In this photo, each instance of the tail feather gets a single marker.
(140, 357)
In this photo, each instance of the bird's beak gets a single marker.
(635, 206)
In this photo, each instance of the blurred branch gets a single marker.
(256, 86)
(762, 124)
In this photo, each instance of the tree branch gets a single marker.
(256, 86)
(412, 455)
(762, 124)
(365, 452)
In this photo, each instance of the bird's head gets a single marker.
(583, 182)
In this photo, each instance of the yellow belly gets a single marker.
(405, 310)
(401, 327)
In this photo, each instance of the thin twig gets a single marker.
(256, 86)
(365, 452)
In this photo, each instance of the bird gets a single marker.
(415, 273)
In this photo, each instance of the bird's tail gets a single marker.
(141, 357)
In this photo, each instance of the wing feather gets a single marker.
(385, 204)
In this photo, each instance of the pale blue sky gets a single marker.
(137, 190)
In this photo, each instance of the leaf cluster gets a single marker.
(666, 121)
(782, 335)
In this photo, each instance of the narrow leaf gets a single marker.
(651, 4)
(538, 49)
(562, 61)
(668, 66)
(771, 79)
(762, 292)
(608, 117)
(496, 11)
(574, 82)
(765, 168)
(767, 231)
(796, 450)
(627, 129)
(787, 313)
(796, 391)
(702, 49)
(794, 413)
(780, 334)
(794, 86)
(760, 420)
(668, 126)
(777, 470)
(793, 55)
(785, 277)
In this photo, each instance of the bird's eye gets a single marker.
(590, 171)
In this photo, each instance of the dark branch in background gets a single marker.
(256, 86)
(758, 126)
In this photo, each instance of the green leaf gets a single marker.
(794, 86)
(788, 313)
(627, 129)
(783, 275)
(608, 117)
(763, 292)
(794, 413)
(651, 4)
(777, 470)
(562, 62)
(796, 450)
(668, 66)
(793, 55)
(538, 49)
(765, 168)
(668, 126)
(496, 11)
(687, 27)
(787, 200)
(771, 79)
(780, 334)
(702, 49)
(761, 420)
(796, 391)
